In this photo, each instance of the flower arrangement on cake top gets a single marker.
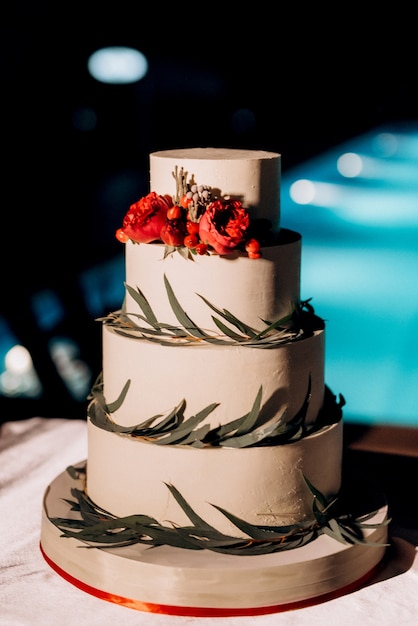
(194, 222)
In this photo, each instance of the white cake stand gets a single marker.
(204, 583)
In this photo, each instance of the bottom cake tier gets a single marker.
(178, 581)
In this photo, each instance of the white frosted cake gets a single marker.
(210, 428)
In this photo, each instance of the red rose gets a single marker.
(145, 218)
(224, 224)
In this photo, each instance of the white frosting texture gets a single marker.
(253, 290)
(261, 485)
(161, 377)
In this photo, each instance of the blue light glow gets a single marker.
(350, 164)
(118, 65)
(360, 267)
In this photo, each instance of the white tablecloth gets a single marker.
(34, 451)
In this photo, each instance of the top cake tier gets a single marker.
(251, 176)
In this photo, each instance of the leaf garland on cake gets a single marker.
(101, 529)
(173, 428)
(301, 322)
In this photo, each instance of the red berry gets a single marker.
(201, 248)
(174, 213)
(191, 241)
(120, 235)
(192, 227)
(252, 246)
(185, 201)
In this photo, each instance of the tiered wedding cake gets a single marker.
(214, 479)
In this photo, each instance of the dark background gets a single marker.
(303, 79)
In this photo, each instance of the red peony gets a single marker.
(145, 218)
(224, 225)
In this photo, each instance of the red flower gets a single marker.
(224, 224)
(145, 218)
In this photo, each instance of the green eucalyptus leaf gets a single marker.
(251, 419)
(316, 493)
(184, 432)
(114, 406)
(182, 317)
(99, 529)
(175, 428)
(229, 317)
(143, 304)
(191, 514)
(260, 533)
(228, 332)
(168, 250)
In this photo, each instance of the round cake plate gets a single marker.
(204, 583)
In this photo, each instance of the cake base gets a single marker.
(203, 583)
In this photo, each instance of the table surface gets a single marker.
(34, 451)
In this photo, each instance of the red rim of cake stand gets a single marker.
(191, 611)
